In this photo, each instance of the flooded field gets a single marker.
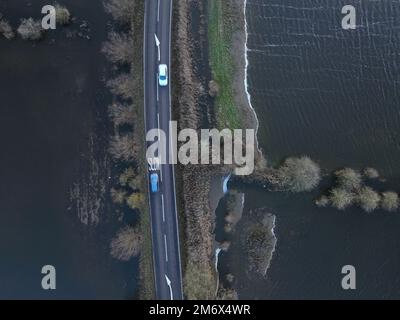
(333, 95)
(55, 169)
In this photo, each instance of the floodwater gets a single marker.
(53, 134)
(333, 95)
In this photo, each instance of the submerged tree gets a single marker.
(5, 28)
(368, 199)
(63, 15)
(126, 244)
(123, 86)
(348, 179)
(341, 198)
(298, 174)
(371, 173)
(30, 29)
(390, 201)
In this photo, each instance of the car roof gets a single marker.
(163, 67)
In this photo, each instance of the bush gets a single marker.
(63, 16)
(30, 29)
(119, 48)
(341, 198)
(390, 201)
(123, 147)
(348, 179)
(368, 199)
(371, 173)
(122, 86)
(298, 174)
(135, 200)
(126, 244)
(121, 10)
(121, 114)
(199, 282)
(5, 28)
(118, 196)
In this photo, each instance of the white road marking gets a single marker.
(169, 286)
(157, 87)
(162, 206)
(166, 249)
(158, 10)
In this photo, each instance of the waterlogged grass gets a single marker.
(220, 31)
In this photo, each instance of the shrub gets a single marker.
(341, 198)
(368, 199)
(118, 196)
(122, 114)
(213, 88)
(63, 16)
(121, 10)
(199, 281)
(122, 86)
(298, 174)
(119, 48)
(135, 200)
(390, 201)
(127, 176)
(126, 244)
(30, 29)
(123, 147)
(348, 179)
(5, 28)
(371, 173)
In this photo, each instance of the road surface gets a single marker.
(157, 100)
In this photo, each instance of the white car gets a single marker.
(163, 75)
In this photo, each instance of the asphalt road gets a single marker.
(164, 221)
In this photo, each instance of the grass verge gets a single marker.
(146, 290)
(221, 28)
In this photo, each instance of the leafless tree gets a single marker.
(119, 48)
(126, 244)
(30, 29)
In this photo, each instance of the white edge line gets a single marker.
(163, 209)
(166, 248)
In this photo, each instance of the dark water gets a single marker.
(53, 135)
(335, 96)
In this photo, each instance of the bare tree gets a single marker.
(341, 198)
(126, 244)
(390, 201)
(119, 48)
(121, 10)
(123, 86)
(348, 179)
(30, 29)
(123, 147)
(298, 174)
(5, 28)
(368, 199)
(122, 114)
(63, 15)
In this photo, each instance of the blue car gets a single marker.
(154, 182)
